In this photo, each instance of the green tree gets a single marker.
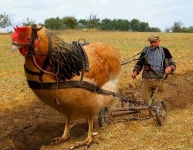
(154, 29)
(106, 24)
(82, 23)
(144, 27)
(69, 22)
(187, 30)
(135, 25)
(93, 21)
(177, 27)
(53, 23)
(121, 24)
(5, 20)
(191, 29)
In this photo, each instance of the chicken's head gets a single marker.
(21, 38)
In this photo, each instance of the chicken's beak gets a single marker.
(14, 48)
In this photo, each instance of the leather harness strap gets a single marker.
(31, 72)
(47, 59)
(73, 84)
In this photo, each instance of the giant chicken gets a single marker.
(77, 79)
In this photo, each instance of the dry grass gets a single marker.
(145, 135)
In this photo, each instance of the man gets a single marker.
(155, 61)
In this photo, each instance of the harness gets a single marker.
(62, 84)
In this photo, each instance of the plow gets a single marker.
(133, 109)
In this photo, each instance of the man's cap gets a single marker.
(153, 37)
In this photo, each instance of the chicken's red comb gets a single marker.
(21, 29)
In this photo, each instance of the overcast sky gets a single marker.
(158, 13)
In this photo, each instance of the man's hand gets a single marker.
(168, 69)
(134, 74)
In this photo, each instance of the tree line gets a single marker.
(93, 22)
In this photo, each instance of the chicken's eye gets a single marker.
(28, 38)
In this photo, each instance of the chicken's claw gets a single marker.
(59, 140)
(88, 142)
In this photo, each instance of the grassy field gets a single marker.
(146, 135)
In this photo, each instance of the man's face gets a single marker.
(154, 44)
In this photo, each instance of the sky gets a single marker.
(161, 14)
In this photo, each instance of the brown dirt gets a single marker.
(31, 125)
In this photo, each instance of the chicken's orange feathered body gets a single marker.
(74, 103)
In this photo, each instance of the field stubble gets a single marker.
(26, 123)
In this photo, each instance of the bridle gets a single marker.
(30, 45)
(31, 52)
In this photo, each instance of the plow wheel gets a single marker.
(102, 116)
(161, 113)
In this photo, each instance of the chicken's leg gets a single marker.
(66, 134)
(90, 139)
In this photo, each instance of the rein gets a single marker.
(134, 59)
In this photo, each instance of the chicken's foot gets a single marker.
(90, 139)
(88, 142)
(66, 134)
(59, 140)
